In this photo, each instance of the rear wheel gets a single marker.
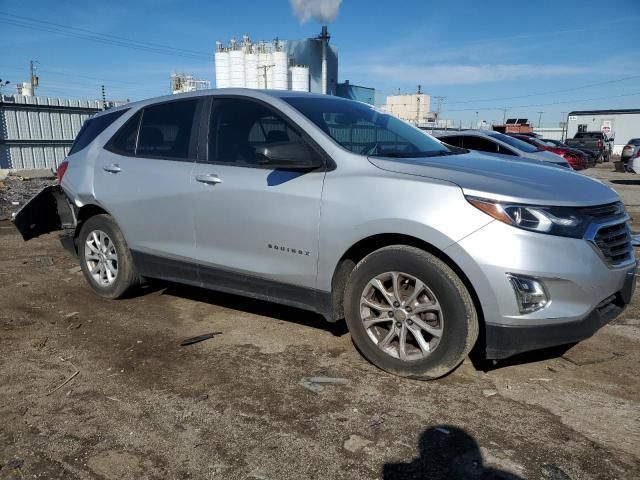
(105, 258)
(409, 313)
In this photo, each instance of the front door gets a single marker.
(252, 220)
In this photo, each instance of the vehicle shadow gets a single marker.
(445, 452)
(626, 182)
(481, 363)
(246, 304)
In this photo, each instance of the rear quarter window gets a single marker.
(93, 127)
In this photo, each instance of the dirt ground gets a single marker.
(234, 407)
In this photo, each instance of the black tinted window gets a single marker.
(166, 129)
(456, 141)
(479, 143)
(125, 140)
(239, 128)
(92, 128)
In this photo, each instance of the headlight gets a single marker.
(562, 221)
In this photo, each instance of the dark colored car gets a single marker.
(596, 143)
(592, 158)
(576, 159)
(630, 151)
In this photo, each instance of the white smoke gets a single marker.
(323, 11)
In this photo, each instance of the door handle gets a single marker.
(113, 168)
(209, 179)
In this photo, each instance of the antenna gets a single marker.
(439, 101)
(34, 80)
(539, 118)
(104, 98)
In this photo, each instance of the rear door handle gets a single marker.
(113, 168)
(209, 179)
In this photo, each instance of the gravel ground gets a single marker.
(16, 191)
(91, 388)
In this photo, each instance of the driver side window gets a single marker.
(240, 129)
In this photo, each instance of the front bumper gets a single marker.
(504, 341)
(584, 292)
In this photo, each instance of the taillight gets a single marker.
(600, 144)
(62, 168)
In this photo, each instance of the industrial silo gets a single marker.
(223, 71)
(280, 70)
(299, 78)
(236, 58)
(251, 69)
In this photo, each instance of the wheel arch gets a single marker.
(83, 214)
(367, 245)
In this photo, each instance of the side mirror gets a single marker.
(289, 155)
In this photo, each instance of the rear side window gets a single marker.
(505, 150)
(479, 143)
(92, 128)
(124, 142)
(166, 130)
(452, 140)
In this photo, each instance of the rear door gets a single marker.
(253, 220)
(143, 178)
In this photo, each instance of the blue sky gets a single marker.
(481, 56)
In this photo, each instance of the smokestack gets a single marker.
(324, 38)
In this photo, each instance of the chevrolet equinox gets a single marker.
(333, 206)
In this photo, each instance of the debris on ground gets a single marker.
(442, 430)
(16, 191)
(15, 464)
(315, 383)
(199, 338)
(44, 261)
(355, 443)
(376, 421)
(553, 472)
(489, 392)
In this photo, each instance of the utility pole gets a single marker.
(476, 120)
(264, 73)
(104, 98)
(438, 106)
(563, 125)
(33, 78)
(539, 118)
(504, 115)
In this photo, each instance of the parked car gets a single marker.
(590, 157)
(576, 159)
(596, 143)
(630, 152)
(331, 205)
(501, 145)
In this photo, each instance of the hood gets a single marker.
(504, 179)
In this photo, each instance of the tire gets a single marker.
(108, 239)
(456, 322)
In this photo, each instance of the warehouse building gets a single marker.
(37, 132)
(411, 107)
(622, 125)
(356, 92)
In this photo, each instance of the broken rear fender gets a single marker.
(48, 211)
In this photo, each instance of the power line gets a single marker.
(550, 92)
(95, 37)
(546, 104)
(106, 35)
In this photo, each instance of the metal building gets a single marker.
(37, 132)
(622, 125)
(411, 107)
(356, 92)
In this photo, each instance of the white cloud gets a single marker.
(320, 10)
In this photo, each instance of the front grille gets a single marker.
(614, 241)
(603, 211)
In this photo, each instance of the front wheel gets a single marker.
(105, 259)
(409, 313)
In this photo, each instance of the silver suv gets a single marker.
(333, 206)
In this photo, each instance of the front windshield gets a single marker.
(362, 129)
(514, 142)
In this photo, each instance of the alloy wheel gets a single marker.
(401, 316)
(101, 258)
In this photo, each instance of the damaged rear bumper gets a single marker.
(48, 211)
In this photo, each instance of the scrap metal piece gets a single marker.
(199, 338)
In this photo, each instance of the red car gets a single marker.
(576, 158)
